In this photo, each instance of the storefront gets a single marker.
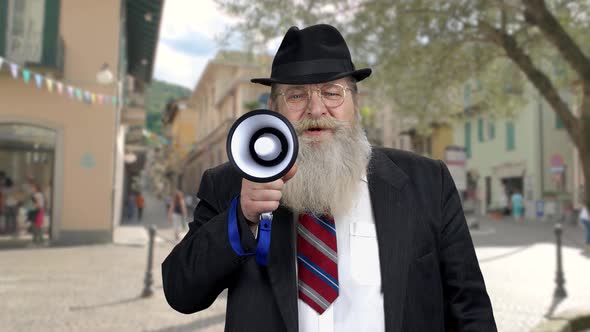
(27, 160)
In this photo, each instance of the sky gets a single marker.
(187, 40)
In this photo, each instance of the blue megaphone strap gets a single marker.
(263, 236)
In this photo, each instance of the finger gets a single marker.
(274, 185)
(265, 206)
(266, 195)
(290, 173)
(251, 186)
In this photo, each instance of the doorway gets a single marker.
(27, 160)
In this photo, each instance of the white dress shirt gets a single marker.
(359, 306)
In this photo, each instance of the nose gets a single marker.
(316, 107)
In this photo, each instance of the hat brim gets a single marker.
(358, 75)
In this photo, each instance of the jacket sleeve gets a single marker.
(467, 304)
(203, 264)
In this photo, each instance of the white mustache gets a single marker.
(321, 123)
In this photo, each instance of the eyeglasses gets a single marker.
(297, 98)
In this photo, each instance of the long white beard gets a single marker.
(329, 171)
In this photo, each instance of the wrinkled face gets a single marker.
(317, 105)
(333, 148)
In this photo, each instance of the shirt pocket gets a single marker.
(364, 254)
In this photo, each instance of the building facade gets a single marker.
(530, 153)
(71, 141)
(223, 93)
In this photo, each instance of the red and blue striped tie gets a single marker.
(317, 261)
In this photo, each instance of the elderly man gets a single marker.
(363, 239)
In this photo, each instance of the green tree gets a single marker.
(432, 58)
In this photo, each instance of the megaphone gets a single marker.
(262, 145)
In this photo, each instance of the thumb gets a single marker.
(290, 173)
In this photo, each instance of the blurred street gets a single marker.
(116, 109)
(98, 288)
(518, 262)
(95, 288)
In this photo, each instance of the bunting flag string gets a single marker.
(51, 85)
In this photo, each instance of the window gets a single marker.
(24, 30)
(491, 131)
(468, 139)
(480, 129)
(510, 143)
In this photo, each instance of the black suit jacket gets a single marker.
(430, 276)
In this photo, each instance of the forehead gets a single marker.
(342, 81)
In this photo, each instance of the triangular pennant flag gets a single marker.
(38, 80)
(60, 87)
(1, 62)
(14, 70)
(107, 99)
(79, 94)
(70, 91)
(26, 75)
(114, 100)
(49, 84)
(87, 97)
(93, 98)
(99, 98)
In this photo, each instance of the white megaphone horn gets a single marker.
(262, 145)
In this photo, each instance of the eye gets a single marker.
(331, 91)
(295, 95)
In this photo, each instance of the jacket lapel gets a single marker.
(281, 266)
(393, 212)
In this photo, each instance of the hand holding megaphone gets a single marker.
(262, 146)
(257, 198)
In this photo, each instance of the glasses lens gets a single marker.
(296, 98)
(333, 95)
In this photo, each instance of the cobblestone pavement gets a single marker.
(518, 262)
(97, 288)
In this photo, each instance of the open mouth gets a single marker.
(316, 131)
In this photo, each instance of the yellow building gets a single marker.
(69, 141)
(432, 144)
(179, 126)
(223, 93)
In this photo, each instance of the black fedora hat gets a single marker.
(316, 54)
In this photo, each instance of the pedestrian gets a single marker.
(177, 213)
(139, 202)
(363, 238)
(585, 220)
(37, 214)
(517, 205)
(130, 206)
(10, 207)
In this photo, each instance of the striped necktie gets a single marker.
(317, 261)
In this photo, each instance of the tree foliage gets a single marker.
(435, 58)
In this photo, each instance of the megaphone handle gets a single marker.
(263, 247)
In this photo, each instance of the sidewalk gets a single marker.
(518, 261)
(96, 288)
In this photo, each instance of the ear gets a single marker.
(269, 103)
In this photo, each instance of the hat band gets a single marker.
(312, 67)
